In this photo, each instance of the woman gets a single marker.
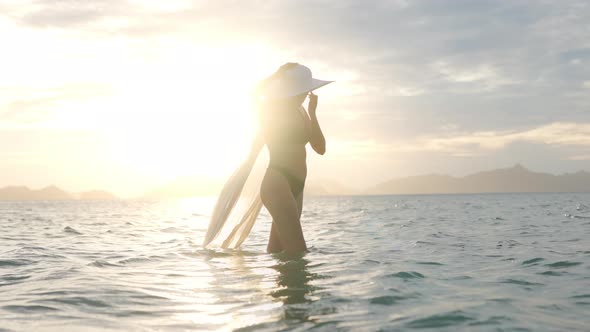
(285, 128)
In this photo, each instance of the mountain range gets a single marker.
(512, 179)
(50, 193)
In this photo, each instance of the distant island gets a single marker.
(50, 193)
(512, 179)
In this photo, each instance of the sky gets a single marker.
(127, 95)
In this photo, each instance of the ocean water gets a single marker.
(490, 262)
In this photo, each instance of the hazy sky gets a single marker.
(127, 95)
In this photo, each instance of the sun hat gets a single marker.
(293, 81)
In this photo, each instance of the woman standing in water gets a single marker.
(285, 128)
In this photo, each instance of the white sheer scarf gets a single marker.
(238, 203)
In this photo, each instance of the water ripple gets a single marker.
(533, 261)
(15, 262)
(441, 320)
(407, 275)
(24, 309)
(563, 264)
(71, 230)
(387, 299)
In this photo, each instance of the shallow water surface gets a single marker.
(495, 262)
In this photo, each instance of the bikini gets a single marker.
(293, 136)
(295, 183)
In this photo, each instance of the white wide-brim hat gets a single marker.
(292, 82)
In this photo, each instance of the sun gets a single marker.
(146, 113)
(191, 114)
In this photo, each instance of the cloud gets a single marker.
(406, 68)
(558, 134)
(34, 107)
(580, 157)
(565, 135)
(419, 82)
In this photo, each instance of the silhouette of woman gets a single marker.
(285, 127)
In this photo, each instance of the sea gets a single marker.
(476, 262)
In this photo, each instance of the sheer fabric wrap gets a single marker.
(238, 204)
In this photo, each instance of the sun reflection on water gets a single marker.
(222, 289)
(246, 290)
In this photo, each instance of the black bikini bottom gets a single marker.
(295, 183)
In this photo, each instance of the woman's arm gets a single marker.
(316, 139)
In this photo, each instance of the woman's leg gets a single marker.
(276, 196)
(299, 201)
(274, 243)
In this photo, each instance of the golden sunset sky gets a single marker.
(130, 95)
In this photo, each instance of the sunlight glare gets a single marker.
(191, 114)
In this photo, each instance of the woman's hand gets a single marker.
(313, 103)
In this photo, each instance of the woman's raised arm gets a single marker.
(316, 139)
